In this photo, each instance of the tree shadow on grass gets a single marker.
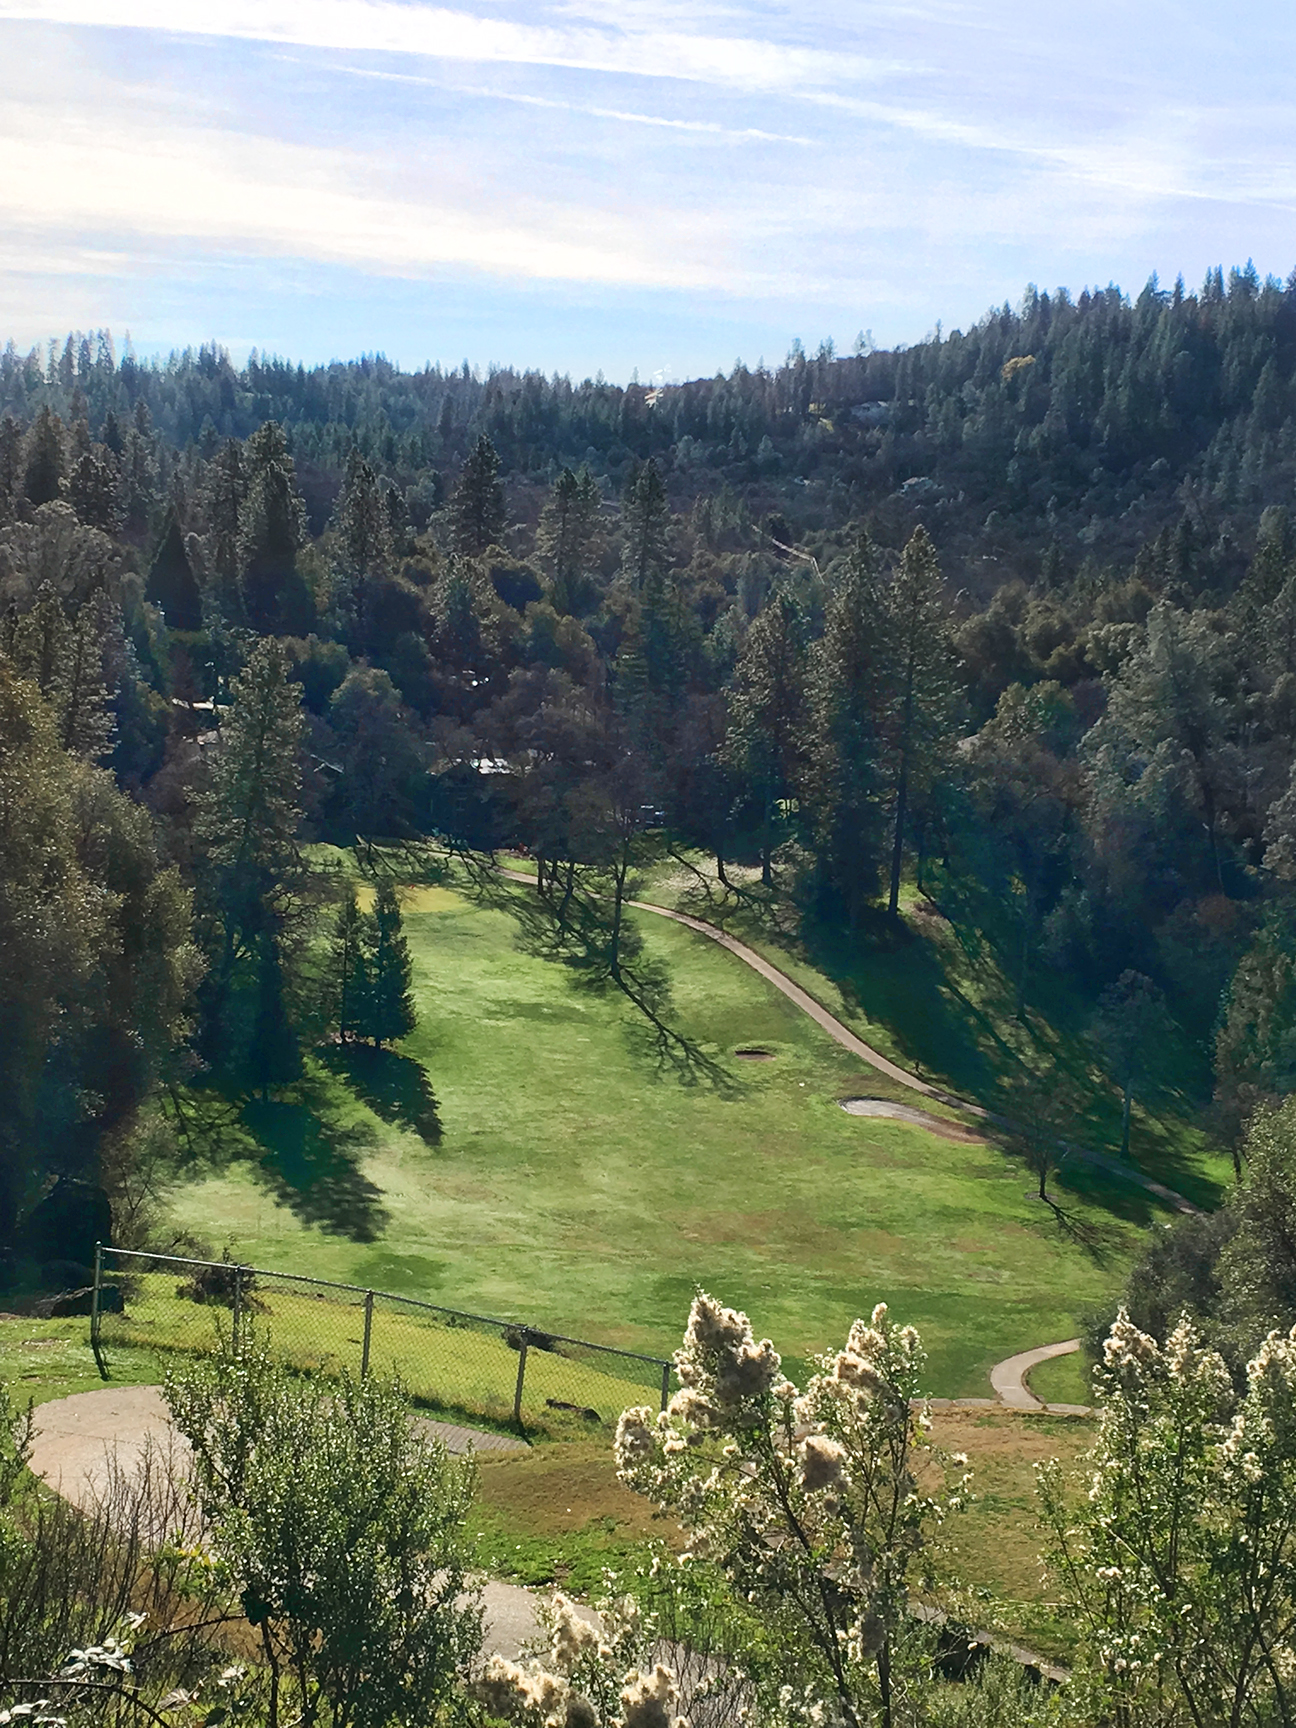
(313, 1167)
(889, 976)
(675, 1054)
(395, 1087)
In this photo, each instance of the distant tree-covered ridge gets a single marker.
(1084, 426)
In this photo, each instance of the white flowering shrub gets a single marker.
(814, 1506)
(1180, 1560)
(584, 1675)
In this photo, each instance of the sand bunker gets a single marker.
(907, 1113)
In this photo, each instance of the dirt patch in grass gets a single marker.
(789, 1231)
(559, 1515)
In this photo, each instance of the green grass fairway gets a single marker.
(576, 1188)
(947, 1010)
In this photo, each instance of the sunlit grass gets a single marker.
(459, 1369)
(577, 1188)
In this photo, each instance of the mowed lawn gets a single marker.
(578, 1189)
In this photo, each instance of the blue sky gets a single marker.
(660, 187)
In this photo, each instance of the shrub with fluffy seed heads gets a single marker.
(648, 1700)
(711, 1326)
(690, 1406)
(850, 1369)
(749, 1373)
(572, 1636)
(822, 1462)
(1126, 1349)
(636, 1440)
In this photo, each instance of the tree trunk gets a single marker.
(1125, 1117)
(902, 787)
(897, 848)
(1024, 960)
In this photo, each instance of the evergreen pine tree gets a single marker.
(362, 526)
(767, 711)
(843, 772)
(171, 583)
(918, 694)
(137, 487)
(222, 500)
(247, 822)
(348, 970)
(86, 722)
(11, 468)
(46, 460)
(113, 436)
(646, 522)
(93, 486)
(389, 1006)
(477, 508)
(563, 536)
(272, 530)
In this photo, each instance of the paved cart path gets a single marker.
(1009, 1377)
(855, 1044)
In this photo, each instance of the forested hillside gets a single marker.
(1008, 618)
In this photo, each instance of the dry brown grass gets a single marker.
(994, 1547)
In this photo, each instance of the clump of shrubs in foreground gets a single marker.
(304, 1561)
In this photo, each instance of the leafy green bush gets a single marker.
(341, 1528)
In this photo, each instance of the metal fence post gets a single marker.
(368, 1332)
(238, 1308)
(94, 1313)
(517, 1396)
(666, 1368)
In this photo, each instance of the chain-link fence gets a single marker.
(447, 1360)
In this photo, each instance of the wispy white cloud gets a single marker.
(90, 177)
(704, 128)
(383, 27)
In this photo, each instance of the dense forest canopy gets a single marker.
(1011, 613)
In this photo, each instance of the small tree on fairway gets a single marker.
(348, 972)
(388, 1007)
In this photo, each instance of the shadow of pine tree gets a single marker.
(313, 1167)
(394, 1087)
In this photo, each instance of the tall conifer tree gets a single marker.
(843, 768)
(917, 685)
(766, 732)
(477, 508)
(389, 1011)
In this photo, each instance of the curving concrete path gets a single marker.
(851, 1041)
(856, 1045)
(76, 1439)
(1009, 1379)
